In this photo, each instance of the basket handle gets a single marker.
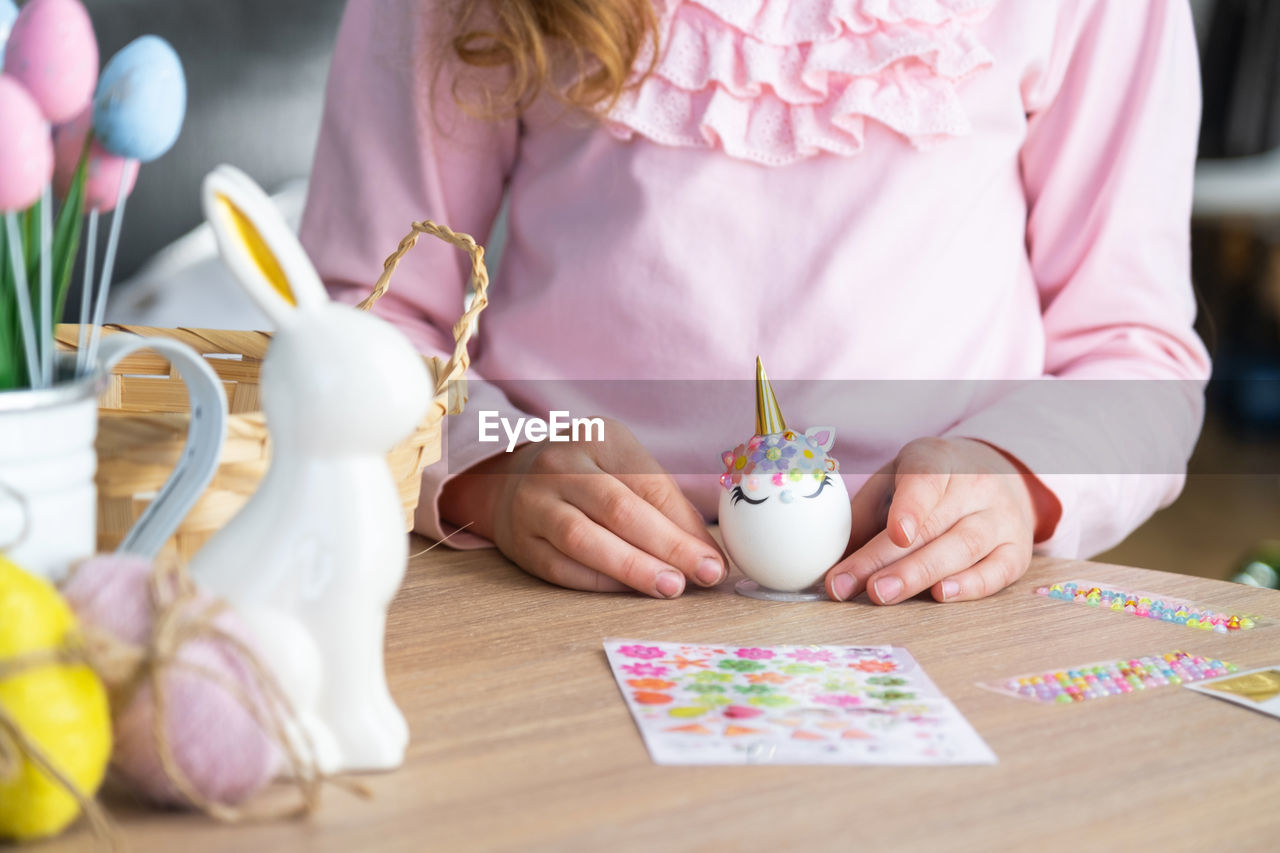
(458, 363)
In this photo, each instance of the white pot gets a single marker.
(48, 502)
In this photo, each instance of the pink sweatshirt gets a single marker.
(935, 212)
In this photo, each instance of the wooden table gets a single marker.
(521, 740)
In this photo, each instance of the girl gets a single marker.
(988, 192)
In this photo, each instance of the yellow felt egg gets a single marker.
(61, 709)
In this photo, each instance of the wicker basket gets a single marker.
(143, 421)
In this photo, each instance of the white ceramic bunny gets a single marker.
(314, 558)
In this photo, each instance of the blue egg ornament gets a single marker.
(8, 14)
(141, 100)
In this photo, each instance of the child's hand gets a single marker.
(954, 516)
(579, 515)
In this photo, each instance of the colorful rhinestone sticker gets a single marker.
(1151, 606)
(729, 704)
(1111, 678)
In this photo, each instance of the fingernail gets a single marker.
(709, 571)
(670, 584)
(842, 587)
(887, 589)
(950, 589)
(908, 527)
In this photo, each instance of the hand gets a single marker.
(599, 515)
(954, 516)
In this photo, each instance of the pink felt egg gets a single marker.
(53, 52)
(215, 739)
(26, 147)
(105, 171)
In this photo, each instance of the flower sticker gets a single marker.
(839, 700)
(754, 689)
(768, 678)
(712, 677)
(873, 665)
(887, 680)
(681, 662)
(771, 700)
(650, 684)
(643, 652)
(644, 669)
(645, 697)
(810, 655)
(800, 668)
(755, 654)
(704, 688)
(741, 665)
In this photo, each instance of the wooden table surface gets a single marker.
(521, 740)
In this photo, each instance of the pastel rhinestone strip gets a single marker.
(1111, 678)
(1150, 605)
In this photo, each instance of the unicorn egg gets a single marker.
(784, 510)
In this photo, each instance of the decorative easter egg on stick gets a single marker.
(138, 111)
(784, 510)
(26, 164)
(53, 52)
(8, 14)
(141, 100)
(55, 726)
(26, 147)
(205, 740)
(107, 176)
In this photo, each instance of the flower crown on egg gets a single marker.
(775, 454)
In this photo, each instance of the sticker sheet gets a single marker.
(1098, 680)
(1152, 605)
(1256, 689)
(728, 704)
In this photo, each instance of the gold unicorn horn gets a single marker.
(768, 416)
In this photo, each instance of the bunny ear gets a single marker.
(258, 246)
(824, 437)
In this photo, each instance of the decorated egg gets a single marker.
(784, 510)
(141, 100)
(8, 12)
(52, 51)
(56, 709)
(26, 147)
(105, 171)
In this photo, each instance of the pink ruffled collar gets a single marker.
(775, 81)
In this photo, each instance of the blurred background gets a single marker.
(257, 71)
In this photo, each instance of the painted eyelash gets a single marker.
(825, 480)
(738, 495)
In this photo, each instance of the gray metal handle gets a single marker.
(205, 434)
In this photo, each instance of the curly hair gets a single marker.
(582, 52)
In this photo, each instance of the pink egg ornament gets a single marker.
(216, 741)
(105, 172)
(52, 51)
(26, 147)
